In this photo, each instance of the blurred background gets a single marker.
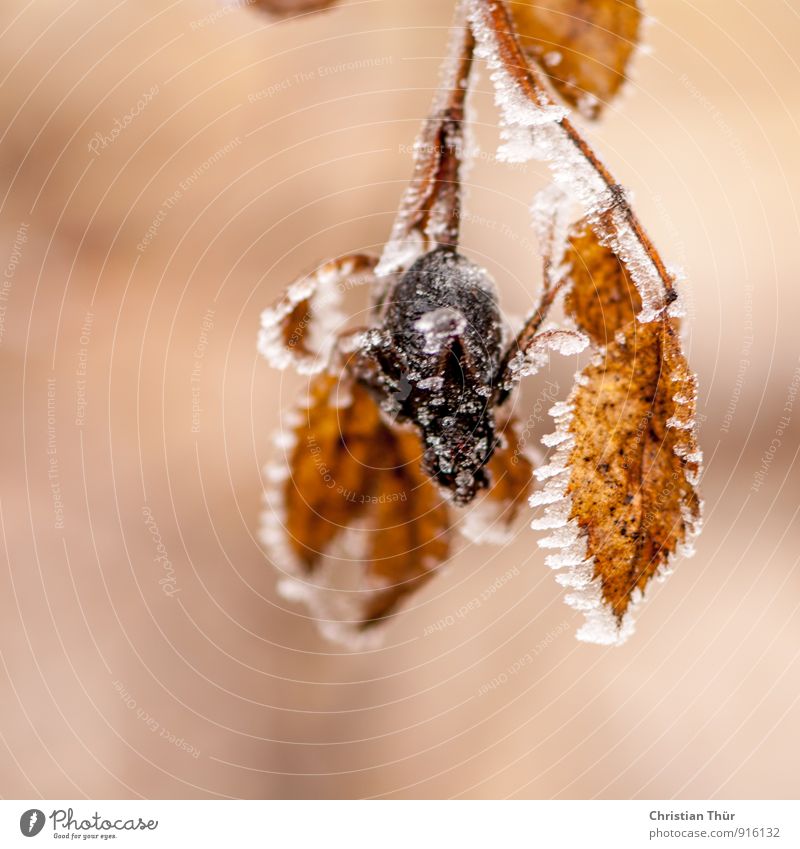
(166, 170)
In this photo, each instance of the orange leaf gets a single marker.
(353, 519)
(583, 46)
(301, 328)
(621, 489)
(603, 298)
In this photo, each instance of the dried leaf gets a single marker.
(602, 296)
(300, 329)
(584, 46)
(354, 520)
(621, 494)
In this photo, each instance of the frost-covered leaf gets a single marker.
(300, 329)
(620, 491)
(584, 46)
(491, 517)
(351, 518)
(602, 298)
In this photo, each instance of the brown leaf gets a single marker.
(356, 522)
(583, 46)
(301, 328)
(626, 467)
(492, 518)
(602, 296)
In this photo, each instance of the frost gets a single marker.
(516, 109)
(588, 104)
(548, 471)
(283, 439)
(694, 526)
(552, 213)
(435, 382)
(439, 327)
(560, 409)
(401, 250)
(309, 343)
(680, 424)
(483, 523)
(535, 357)
(273, 533)
(274, 473)
(571, 557)
(677, 309)
(292, 590)
(545, 496)
(553, 439)
(514, 147)
(563, 536)
(601, 626)
(569, 541)
(555, 516)
(552, 58)
(342, 398)
(580, 576)
(567, 343)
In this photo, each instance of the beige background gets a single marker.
(702, 702)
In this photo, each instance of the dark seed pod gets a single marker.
(439, 351)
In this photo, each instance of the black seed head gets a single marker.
(439, 352)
